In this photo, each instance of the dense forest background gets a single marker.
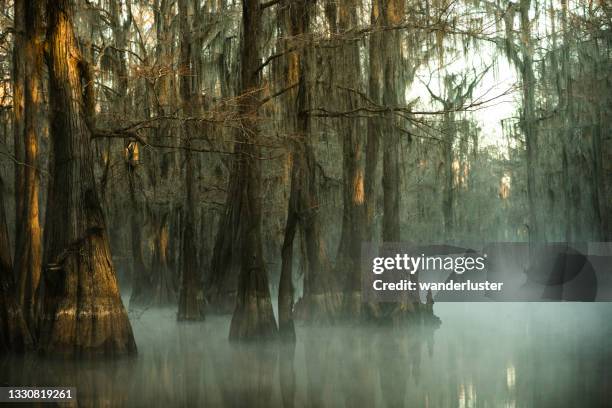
(213, 155)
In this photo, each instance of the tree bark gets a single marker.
(163, 293)
(191, 298)
(223, 283)
(14, 334)
(447, 201)
(392, 14)
(82, 312)
(141, 278)
(375, 124)
(286, 326)
(28, 249)
(346, 63)
(320, 301)
(253, 316)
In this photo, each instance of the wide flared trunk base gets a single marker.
(221, 305)
(83, 314)
(191, 305)
(253, 320)
(98, 328)
(319, 308)
(164, 294)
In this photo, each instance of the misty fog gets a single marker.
(483, 354)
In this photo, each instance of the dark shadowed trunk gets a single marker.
(346, 67)
(14, 333)
(392, 14)
(320, 301)
(286, 301)
(391, 86)
(225, 268)
(448, 127)
(141, 278)
(163, 292)
(253, 316)
(191, 298)
(82, 312)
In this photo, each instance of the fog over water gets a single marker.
(485, 354)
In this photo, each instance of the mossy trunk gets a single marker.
(253, 315)
(346, 63)
(191, 296)
(82, 312)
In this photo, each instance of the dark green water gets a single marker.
(483, 355)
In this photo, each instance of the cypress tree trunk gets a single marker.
(390, 180)
(28, 250)
(375, 124)
(286, 327)
(163, 291)
(320, 300)
(141, 278)
(191, 299)
(253, 316)
(19, 67)
(82, 312)
(392, 13)
(536, 233)
(225, 268)
(14, 333)
(447, 202)
(346, 74)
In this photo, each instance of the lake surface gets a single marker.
(483, 355)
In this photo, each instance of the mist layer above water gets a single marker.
(524, 355)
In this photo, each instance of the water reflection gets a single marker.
(523, 355)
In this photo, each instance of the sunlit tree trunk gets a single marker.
(82, 312)
(28, 250)
(18, 72)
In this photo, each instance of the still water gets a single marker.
(483, 355)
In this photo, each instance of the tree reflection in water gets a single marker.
(528, 355)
